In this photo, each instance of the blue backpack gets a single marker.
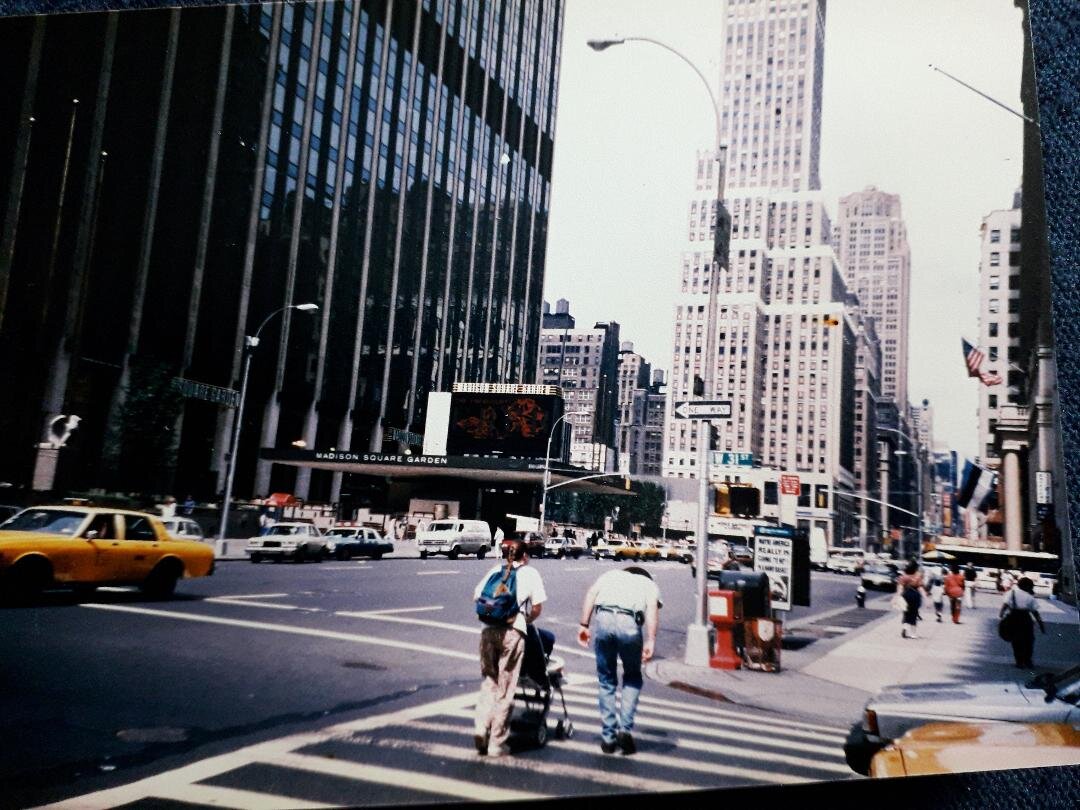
(498, 603)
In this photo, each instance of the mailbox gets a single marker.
(726, 615)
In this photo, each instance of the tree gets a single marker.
(151, 408)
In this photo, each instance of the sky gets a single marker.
(631, 119)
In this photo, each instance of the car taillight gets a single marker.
(871, 721)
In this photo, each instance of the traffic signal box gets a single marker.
(738, 500)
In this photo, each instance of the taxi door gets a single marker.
(140, 549)
(103, 560)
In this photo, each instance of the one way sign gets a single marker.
(703, 409)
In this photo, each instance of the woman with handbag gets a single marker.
(1016, 614)
(910, 587)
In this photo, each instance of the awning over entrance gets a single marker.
(484, 469)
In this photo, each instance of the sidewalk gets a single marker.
(834, 681)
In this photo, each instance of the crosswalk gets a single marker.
(425, 754)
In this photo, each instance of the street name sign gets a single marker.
(192, 389)
(726, 459)
(703, 409)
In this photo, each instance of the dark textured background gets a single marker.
(1055, 26)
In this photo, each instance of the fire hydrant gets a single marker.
(860, 596)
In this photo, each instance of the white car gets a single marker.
(183, 528)
(560, 547)
(288, 540)
(346, 542)
(896, 709)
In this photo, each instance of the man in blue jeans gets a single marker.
(621, 603)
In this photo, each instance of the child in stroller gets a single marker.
(541, 675)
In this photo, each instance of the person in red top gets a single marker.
(954, 589)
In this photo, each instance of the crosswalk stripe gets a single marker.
(215, 796)
(681, 743)
(588, 687)
(725, 731)
(516, 764)
(269, 605)
(712, 768)
(399, 777)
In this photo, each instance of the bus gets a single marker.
(1042, 567)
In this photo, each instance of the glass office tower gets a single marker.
(173, 177)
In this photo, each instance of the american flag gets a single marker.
(973, 358)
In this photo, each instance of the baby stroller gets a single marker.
(541, 675)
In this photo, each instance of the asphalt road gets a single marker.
(375, 664)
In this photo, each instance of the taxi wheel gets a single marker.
(25, 582)
(162, 580)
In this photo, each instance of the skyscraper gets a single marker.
(388, 160)
(870, 239)
(999, 318)
(786, 338)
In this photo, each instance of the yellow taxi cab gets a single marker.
(84, 547)
(960, 747)
(631, 550)
(650, 551)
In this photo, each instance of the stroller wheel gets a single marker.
(540, 736)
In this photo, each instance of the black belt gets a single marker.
(615, 609)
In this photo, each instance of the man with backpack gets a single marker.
(507, 598)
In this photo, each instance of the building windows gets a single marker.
(995, 259)
(995, 235)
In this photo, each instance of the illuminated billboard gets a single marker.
(503, 424)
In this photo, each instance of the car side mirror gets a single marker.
(92, 534)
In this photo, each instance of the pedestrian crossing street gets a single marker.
(425, 754)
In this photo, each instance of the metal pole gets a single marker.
(249, 350)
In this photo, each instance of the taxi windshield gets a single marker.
(46, 521)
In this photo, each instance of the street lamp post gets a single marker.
(250, 343)
(547, 466)
(917, 453)
(698, 640)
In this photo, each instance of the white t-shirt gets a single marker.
(530, 591)
(1023, 600)
(625, 590)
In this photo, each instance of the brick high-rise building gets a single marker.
(870, 239)
(785, 335)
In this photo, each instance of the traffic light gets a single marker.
(721, 502)
(699, 386)
(714, 437)
(745, 501)
(626, 484)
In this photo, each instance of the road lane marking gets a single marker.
(435, 573)
(398, 777)
(179, 779)
(473, 630)
(517, 764)
(361, 567)
(833, 731)
(215, 796)
(724, 732)
(402, 610)
(426, 649)
(220, 600)
(578, 568)
(709, 767)
(253, 596)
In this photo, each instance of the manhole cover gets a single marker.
(153, 735)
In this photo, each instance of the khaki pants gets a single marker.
(501, 653)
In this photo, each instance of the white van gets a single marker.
(452, 537)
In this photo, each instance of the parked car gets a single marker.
(346, 542)
(84, 547)
(846, 561)
(743, 555)
(534, 543)
(288, 539)
(608, 548)
(879, 576)
(560, 547)
(961, 747)
(895, 710)
(183, 528)
(630, 550)
(453, 537)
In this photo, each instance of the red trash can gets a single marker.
(726, 615)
